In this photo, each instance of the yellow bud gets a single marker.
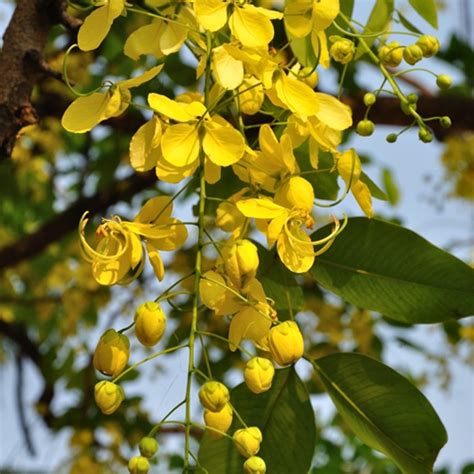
(412, 54)
(220, 420)
(342, 51)
(214, 396)
(150, 323)
(429, 45)
(251, 95)
(108, 396)
(148, 447)
(112, 353)
(258, 374)
(285, 342)
(391, 54)
(255, 465)
(138, 465)
(296, 193)
(241, 262)
(228, 217)
(247, 441)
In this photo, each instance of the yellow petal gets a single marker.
(313, 153)
(324, 13)
(320, 47)
(173, 38)
(174, 174)
(222, 143)
(348, 166)
(142, 78)
(96, 26)
(170, 108)
(363, 197)
(296, 256)
(248, 324)
(211, 14)
(212, 172)
(144, 145)
(251, 96)
(229, 72)
(156, 210)
(297, 96)
(86, 112)
(298, 18)
(261, 208)
(333, 112)
(156, 261)
(145, 40)
(250, 27)
(327, 138)
(212, 289)
(275, 228)
(180, 144)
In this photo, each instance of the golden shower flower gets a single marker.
(258, 374)
(214, 396)
(112, 353)
(150, 323)
(219, 420)
(255, 465)
(108, 396)
(247, 441)
(285, 342)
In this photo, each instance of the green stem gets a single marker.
(157, 426)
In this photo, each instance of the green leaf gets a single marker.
(284, 415)
(386, 268)
(376, 192)
(427, 10)
(377, 22)
(384, 410)
(391, 187)
(303, 50)
(279, 284)
(408, 24)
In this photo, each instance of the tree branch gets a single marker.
(66, 221)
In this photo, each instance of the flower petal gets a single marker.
(180, 144)
(222, 143)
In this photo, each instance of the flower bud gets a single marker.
(444, 81)
(148, 446)
(425, 135)
(285, 342)
(138, 465)
(369, 99)
(445, 121)
(391, 54)
(342, 50)
(228, 217)
(255, 465)
(112, 353)
(247, 441)
(214, 396)
(220, 420)
(241, 262)
(412, 98)
(108, 396)
(296, 193)
(258, 374)
(391, 137)
(407, 108)
(251, 95)
(150, 323)
(365, 128)
(412, 54)
(429, 45)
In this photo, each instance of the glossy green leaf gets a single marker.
(408, 24)
(384, 410)
(378, 21)
(391, 187)
(279, 284)
(427, 10)
(387, 268)
(376, 192)
(286, 419)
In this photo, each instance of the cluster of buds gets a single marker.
(112, 353)
(391, 54)
(148, 447)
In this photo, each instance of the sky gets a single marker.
(416, 167)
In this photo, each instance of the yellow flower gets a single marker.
(180, 144)
(251, 95)
(349, 167)
(220, 420)
(391, 54)
(97, 25)
(251, 25)
(108, 396)
(286, 343)
(214, 396)
(112, 353)
(255, 465)
(342, 50)
(118, 256)
(148, 446)
(150, 323)
(228, 217)
(258, 374)
(86, 112)
(247, 441)
(252, 315)
(138, 465)
(240, 262)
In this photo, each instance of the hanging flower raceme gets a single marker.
(282, 220)
(118, 256)
(252, 315)
(251, 25)
(222, 144)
